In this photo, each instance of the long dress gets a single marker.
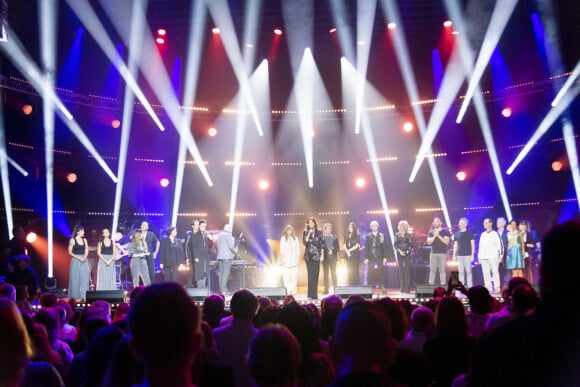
(515, 256)
(106, 274)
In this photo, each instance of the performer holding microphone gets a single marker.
(313, 254)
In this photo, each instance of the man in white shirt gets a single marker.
(489, 256)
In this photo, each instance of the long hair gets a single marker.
(136, 237)
(313, 220)
(292, 235)
(76, 230)
(102, 235)
(354, 235)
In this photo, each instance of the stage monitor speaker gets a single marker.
(111, 296)
(198, 294)
(425, 291)
(272, 293)
(347, 291)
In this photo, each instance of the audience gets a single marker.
(422, 325)
(274, 357)
(541, 349)
(233, 340)
(165, 334)
(362, 358)
(159, 340)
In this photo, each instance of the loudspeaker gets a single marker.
(111, 296)
(198, 294)
(425, 291)
(347, 291)
(272, 293)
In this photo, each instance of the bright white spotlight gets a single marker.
(360, 182)
(570, 141)
(164, 182)
(392, 26)
(278, 31)
(499, 18)
(545, 125)
(447, 23)
(31, 237)
(408, 127)
(506, 112)
(569, 82)
(161, 31)
(212, 132)
(263, 185)
(215, 31)
(115, 124)
(461, 175)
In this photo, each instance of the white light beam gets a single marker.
(572, 152)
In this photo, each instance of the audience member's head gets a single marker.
(49, 317)
(243, 305)
(101, 309)
(269, 315)
(560, 268)
(99, 353)
(439, 292)
(274, 357)
(62, 304)
(397, 316)
(353, 299)
(9, 291)
(135, 294)
(301, 323)
(362, 340)
(422, 320)
(479, 300)
(48, 300)
(512, 284)
(164, 308)
(15, 344)
(524, 299)
(213, 310)
(330, 308)
(450, 317)
(121, 312)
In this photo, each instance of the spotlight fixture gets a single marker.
(557, 166)
(360, 182)
(461, 175)
(161, 32)
(447, 23)
(31, 237)
(164, 182)
(408, 127)
(212, 132)
(160, 40)
(215, 31)
(71, 177)
(27, 109)
(332, 30)
(392, 26)
(506, 112)
(263, 185)
(277, 31)
(115, 123)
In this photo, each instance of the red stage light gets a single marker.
(447, 23)
(31, 237)
(212, 132)
(27, 109)
(391, 26)
(332, 30)
(215, 31)
(461, 175)
(557, 166)
(160, 40)
(115, 123)
(71, 177)
(506, 112)
(278, 31)
(161, 31)
(360, 182)
(164, 182)
(408, 126)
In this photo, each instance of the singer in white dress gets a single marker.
(289, 258)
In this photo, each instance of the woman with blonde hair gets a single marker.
(289, 255)
(404, 245)
(138, 253)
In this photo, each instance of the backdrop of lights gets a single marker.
(280, 136)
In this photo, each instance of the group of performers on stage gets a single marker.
(511, 244)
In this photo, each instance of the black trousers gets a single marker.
(329, 264)
(313, 270)
(170, 273)
(352, 265)
(404, 272)
(151, 268)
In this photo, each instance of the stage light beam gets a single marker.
(501, 14)
(572, 152)
(569, 82)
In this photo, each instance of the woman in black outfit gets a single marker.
(313, 254)
(352, 250)
(404, 244)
